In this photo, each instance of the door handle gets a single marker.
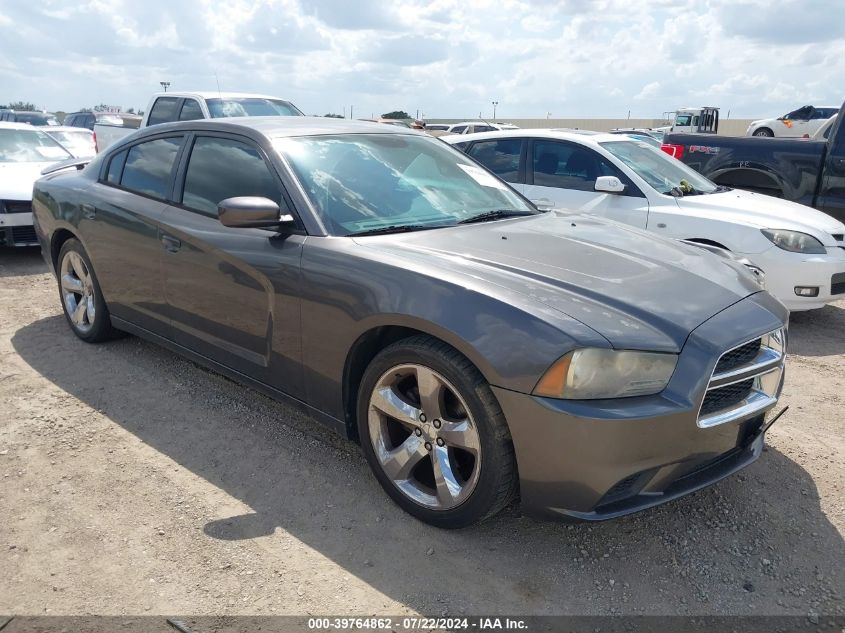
(171, 244)
(88, 210)
(543, 204)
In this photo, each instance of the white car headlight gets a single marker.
(794, 241)
(593, 373)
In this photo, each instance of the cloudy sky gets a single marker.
(445, 58)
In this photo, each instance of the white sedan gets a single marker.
(24, 151)
(79, 141)
(796, 124)
(801, 250)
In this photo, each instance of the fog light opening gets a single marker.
(807, 291)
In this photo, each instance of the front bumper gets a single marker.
(16, 230)
(595, 460)
(785, 271)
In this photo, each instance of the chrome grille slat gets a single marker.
(744, 382)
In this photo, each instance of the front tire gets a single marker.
(435, 435)
(80, 294)
(764, 131)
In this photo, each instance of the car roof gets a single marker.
(284, 126)
(587, 139)
(215, 94)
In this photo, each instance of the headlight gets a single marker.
(794, 242)
(592, 373)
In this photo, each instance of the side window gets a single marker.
(116, 168)
(148, 166)
(221, 168)
(163, 111)
(500, 156)
(190, 111)
(89, 121)
(569, 166)
(459, 130)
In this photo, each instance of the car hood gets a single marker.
(637, 290)
(16, 179)
(764, 212)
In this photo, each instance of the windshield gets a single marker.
(658, 169)
(29, 146)
(250, 106)
(80, 144)
(365, 182)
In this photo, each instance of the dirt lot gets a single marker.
(134, 482)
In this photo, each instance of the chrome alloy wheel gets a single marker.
(424, 436)
(77, 291)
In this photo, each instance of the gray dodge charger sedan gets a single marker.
(477, 348)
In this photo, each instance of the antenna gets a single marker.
(217, 79)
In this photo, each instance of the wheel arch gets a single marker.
(750, 179)
(370, 343)
(57, 240)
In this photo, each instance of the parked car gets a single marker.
(629, 181)
(112, 127)
(30, 118)
(166, 107)
(809, 172)
(89, 119)
(804, 120)
(472, 127)
(437, 129)
(385, 283)
(76, 140)
(24, 151)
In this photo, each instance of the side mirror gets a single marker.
(251, 212)
(609, 184)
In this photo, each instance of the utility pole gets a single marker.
(350, 111)
(165, 85)
(495, 103)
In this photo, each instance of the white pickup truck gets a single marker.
(165, 107)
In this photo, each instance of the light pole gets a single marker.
(495, 103)
(165, 85)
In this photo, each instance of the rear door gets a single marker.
(831, 198)
(233, 293)
(121, 225)
(505, 157)
(563, 174)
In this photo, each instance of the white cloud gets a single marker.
(449, 58)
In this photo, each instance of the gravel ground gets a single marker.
(135, 482)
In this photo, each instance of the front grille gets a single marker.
(738, 356)
(837, 284)
(726, 397)
(24, 235)
(15, 206)
(746, 381)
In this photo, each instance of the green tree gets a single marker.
(22, 105)
(396, 114)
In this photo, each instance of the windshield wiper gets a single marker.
(495, 215)
(395, 228)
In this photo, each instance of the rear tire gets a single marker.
(764, 131)
(435, 435)
(80, 295)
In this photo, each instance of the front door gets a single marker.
(233, 293)
(565, 173)
(831, 198)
